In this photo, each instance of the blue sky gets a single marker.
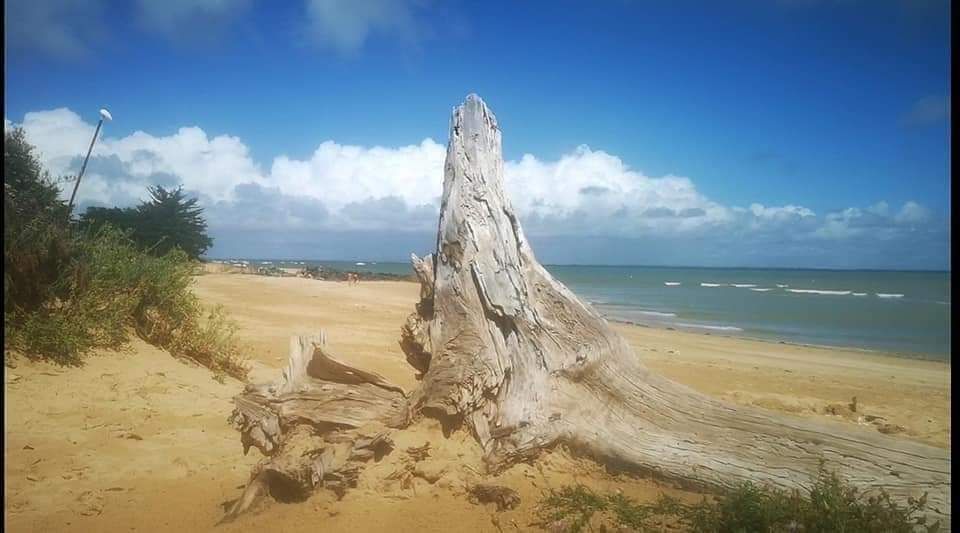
(839, 108)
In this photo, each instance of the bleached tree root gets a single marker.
(316, 426)
(515, 356)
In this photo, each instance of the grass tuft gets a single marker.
(830, 505)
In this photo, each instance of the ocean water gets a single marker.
(905, 313)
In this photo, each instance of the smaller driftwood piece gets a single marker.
(316, 426)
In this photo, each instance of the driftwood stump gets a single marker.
(512, 353)
(316, 426)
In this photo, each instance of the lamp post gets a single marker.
(104, 115)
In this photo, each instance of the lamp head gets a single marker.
(105, 115)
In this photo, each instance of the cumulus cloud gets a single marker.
(341, 174)
(912, 213)
(346, 189)
(591, 191)
(345, 25)
(212, 166)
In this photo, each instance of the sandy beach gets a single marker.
(139, 441)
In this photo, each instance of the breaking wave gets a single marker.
(656, 313)
(762, 289)
(711, 284)
(714, 328)
(885, 295)
(744, 285)
(817, 291)
(671, 283)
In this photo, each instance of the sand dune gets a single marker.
(140, 441)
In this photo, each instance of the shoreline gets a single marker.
(918, 356)
(830, 347)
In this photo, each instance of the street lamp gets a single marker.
(104, 115)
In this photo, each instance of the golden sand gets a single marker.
(139, 441)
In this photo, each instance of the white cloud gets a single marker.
(880, 209)
(340, 174)
(596, 190)
(211, 166)
(877, 221)
(912, 213)
(787, 212)
(379, 189)
(345, 25)
(59, 136)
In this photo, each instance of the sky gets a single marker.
(765, 133)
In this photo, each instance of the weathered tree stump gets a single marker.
(515, 356)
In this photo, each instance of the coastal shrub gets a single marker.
(113, 287)
(829, 505)
(37, 242)
(70, 290)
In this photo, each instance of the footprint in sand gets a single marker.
(91, 503)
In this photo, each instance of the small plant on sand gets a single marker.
(830, 505)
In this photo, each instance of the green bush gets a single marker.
(37, 243)
(112, 288)
(67, 292)
(830, 505)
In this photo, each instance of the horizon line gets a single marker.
(835, 269)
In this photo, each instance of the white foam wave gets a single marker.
(711, 284)
(886, 295)
(715, 328)
(762, 290)
(782, 285)
(744, 285)
(859, 294)
(817, 291)
(656, 313)
(671, 283)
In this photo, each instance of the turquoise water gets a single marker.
(906, 313)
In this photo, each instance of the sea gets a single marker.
(905, 313)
